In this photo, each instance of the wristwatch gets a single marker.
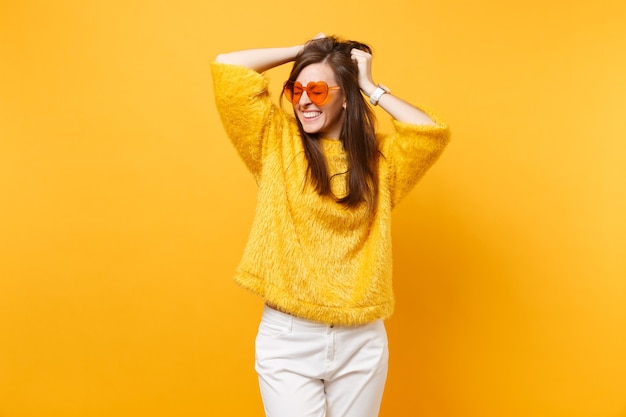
(378, 93)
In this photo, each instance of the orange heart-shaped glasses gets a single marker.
(316, 90)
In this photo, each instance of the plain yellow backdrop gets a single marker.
(124, 209)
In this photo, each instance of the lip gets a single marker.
(310, 115)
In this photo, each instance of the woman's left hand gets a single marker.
(364, 63)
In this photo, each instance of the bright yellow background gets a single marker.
(124, 208)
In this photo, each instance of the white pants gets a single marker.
(308, 369)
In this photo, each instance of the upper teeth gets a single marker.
(311, 113)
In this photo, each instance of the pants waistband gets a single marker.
(293, 321)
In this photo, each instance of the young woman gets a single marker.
(319, 252)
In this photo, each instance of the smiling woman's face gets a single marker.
(324, 119)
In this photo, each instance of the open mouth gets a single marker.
(311, 115)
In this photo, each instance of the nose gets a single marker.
(304, 98)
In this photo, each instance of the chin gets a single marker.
(311, 129)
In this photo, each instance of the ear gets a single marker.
(345, 104)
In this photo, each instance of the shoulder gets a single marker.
(237, 78)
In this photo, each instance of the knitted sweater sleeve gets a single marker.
(410, 151)
(245, 108)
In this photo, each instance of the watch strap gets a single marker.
(378, 93)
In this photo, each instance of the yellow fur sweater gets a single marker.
(306, 254)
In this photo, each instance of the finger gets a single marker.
(360, 52)
(359, 56)
(356, 52)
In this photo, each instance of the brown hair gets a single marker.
(358, 129)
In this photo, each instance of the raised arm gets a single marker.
(395, 106)
(261, 59)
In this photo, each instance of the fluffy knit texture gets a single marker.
(308, 255)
